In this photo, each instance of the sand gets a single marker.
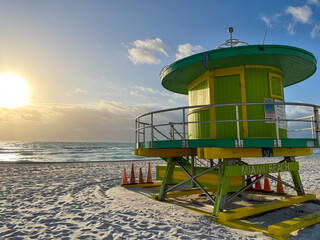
(85, 201)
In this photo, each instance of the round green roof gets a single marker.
(297, 64)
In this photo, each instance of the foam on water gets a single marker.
(66, 151)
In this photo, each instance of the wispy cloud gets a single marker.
(133, 93)
(270, 20)
(315, 31)
(147, 51)
(290, 28)
(300, 14)
(315, 2)
(185, 50)
(77, 91)
(145, 89)
(296, 14)
(180, 96)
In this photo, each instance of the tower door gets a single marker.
(227, 89)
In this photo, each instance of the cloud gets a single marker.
(185, 50)
(315, 31)
(300, 14)
(315, 2)
(294, 112)
(290, 28)
(78, 90)
(101, 121)
(144, 89)
(180, 96)
(270, 20)
(147, 51)
(133, 93)
(165, 94)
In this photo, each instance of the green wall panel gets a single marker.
(199, 95)
(257, 89)
(199, 130)
(227, 90)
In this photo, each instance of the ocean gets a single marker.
(66, 152)
(72, 152)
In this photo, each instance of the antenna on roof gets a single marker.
(231, 42)
(265, 35)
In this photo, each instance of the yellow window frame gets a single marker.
(270, 86)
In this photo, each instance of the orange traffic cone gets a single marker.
(249, 182)
(267, 187)
(279, 186)
(124, 178)
(149, 178)
(258, 184)
(140, 177)
(132, 177)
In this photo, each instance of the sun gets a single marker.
(14, 91)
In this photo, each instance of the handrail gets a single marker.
(229, 104)
(313, 119)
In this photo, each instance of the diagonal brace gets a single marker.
(191, 177)
(196, 182)
(278, 180)
(243, 189)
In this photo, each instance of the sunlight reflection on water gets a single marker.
(9, 157)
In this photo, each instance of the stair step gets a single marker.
(294, 224)
(264, 207)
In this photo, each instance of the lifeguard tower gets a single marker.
(236, 110)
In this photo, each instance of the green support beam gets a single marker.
(171, 162)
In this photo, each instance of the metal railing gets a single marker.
(149, 128)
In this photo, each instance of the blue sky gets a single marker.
(92, 66)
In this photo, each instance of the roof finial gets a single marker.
(231, 42)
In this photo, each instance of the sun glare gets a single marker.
(14, 91)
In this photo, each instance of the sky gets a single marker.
(93, 66)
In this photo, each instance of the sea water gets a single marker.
(66, 152)
(72, 152)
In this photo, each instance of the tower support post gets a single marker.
(167, 177)
(296, 177)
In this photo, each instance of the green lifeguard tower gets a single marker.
(236, 110)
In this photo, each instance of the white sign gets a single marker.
(270, 112)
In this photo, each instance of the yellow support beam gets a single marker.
(263, 207)
(294, 224)
(183, 193)
(241, 225)
(165, 152)
(143, 185)
(214, 153)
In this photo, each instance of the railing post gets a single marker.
(152, 133)
(277, 125)
(138, 132)
(312, 127)
(144, 132)
(316, 117)
(192, 170)
(238, 126)
(170, 130)
(184, 127)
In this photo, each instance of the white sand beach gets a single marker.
(85, 201)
